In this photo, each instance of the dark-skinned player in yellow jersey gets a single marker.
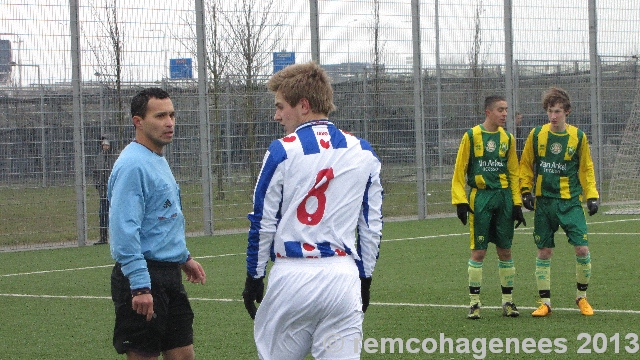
(487, 162)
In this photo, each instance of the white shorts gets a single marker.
(311, 306)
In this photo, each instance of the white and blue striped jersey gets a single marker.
(318, 195)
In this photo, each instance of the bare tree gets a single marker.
(378, 72)
(107, 47)
(217, 60)
(378, 45)
(217, 65)
(475, 61)
(252, 27)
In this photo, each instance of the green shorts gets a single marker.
(553, 213)
(492, 218)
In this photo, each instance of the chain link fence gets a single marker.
(370, 48)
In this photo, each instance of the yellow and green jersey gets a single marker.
(485, 160)
(558, 164)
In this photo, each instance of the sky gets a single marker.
(545, 31)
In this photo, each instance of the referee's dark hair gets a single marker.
(492, 99)
(140, 101)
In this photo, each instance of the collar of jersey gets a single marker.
(314, 122)
(136, 141)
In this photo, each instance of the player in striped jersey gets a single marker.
(556, 163)
(487, 162)
(317, 214)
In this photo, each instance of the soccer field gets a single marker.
(56, 303)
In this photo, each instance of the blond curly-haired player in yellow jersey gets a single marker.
(556, 164)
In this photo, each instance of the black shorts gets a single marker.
(172, 324)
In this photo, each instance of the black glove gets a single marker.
(253, 292)
(592, 205)
(462, 210)
(516, 215)
(527, 201)
(365, 285)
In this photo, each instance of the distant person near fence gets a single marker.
(104, 164)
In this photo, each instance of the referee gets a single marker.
(153, 313)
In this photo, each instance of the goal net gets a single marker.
(624, 186)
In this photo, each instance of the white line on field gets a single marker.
(612, 221)
(383, 240)
(499, 307)
(613, 311)
(102, 266)
(58, 296)
(201, 257)
(216, 256)
(59, 270)
(423, 237)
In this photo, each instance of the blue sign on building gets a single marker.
(180, 69)
(282, 60)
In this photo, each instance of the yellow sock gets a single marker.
(475, 281)
(507, 272)
(543, 279)
(583, 274)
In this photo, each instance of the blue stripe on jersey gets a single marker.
(253, 245)
(359, 263)
(338, 140)
(325, 249)
(365, 201)
(365, 214)
(277, 154)
(364, 144)
(308, 140)
(347, 249)
(293, 249)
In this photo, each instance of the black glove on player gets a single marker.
(592, 205)
(253, 292)
(516, 215)
(527, 201)
(462, 210)
(365, 285)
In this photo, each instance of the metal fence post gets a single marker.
(418, 114)
(203, 114)
(594, 73)
(78, 127)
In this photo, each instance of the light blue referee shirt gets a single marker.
(145, 216)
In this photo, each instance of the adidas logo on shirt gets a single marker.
(167, 204)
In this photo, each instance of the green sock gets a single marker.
(475, 281)
(543, 279)
(583, 273)
(507, 275)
